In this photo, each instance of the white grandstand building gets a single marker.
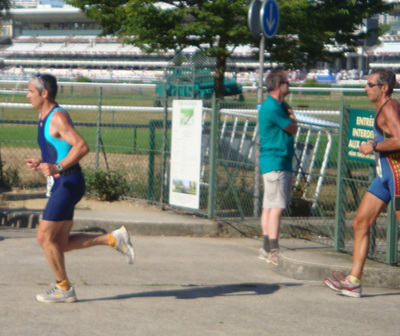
(64, 41)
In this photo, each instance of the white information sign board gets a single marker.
(184, 190)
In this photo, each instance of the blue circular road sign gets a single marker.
(269, 18)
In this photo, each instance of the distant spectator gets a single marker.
(339, 76)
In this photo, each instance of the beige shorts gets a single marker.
(277, 189)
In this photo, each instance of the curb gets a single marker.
(375, 274)
(20, 218)
(202, 228)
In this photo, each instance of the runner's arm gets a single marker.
(61, 127)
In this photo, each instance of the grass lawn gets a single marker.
(116, 140)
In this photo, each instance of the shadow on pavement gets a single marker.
(195, 292)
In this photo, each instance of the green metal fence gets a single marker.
(114, 120)
(128, 129)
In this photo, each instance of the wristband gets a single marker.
(374, 146)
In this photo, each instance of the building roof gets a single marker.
(49, 14)
(385, 49)
(49, 46)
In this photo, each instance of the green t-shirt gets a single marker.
(276, 145)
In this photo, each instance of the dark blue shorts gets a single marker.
(66, 193)
(387, 186)
(382, 187)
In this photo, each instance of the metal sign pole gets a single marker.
(260, 93)
(261, 77)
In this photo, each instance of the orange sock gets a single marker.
(65, 285)
(111, 240)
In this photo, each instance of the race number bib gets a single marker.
(49, 185)
(378, 165)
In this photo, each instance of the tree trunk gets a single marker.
(219, 76)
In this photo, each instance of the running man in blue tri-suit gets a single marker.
(385, 187)
(62, 147)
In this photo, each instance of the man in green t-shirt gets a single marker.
(277, 125)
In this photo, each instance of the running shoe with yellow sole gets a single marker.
(56, 295)
(123, 244)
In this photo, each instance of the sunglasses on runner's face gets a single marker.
(371, 85)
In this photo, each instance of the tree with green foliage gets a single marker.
(306, 28)
(309, 30)
(5, 6)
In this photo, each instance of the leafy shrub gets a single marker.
(106, 185)
(10, 179)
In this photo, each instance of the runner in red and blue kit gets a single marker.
(69, 188)
(386, 185)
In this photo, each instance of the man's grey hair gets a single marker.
(45, 81)
(275, 77)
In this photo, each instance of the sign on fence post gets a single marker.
(184, 186)
(361, 130)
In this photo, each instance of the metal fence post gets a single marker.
(257, 176)
(152, 141)
(213, 157)
(392, 234)
(134, 138)
(98, 125)
(340, 212)
(164, 150)
(1, 169)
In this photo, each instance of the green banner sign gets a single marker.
(361, 129)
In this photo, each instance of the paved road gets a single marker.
(179, 286)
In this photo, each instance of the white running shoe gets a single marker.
(56, 294)
(264, 255)
(123, 244)
(274, 256)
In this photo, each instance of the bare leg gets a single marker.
(264, 221)
(270, 222)
(54, 239)
(368, 211)
(81, 241)
(50, 237)
(274, 223)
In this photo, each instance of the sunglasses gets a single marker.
(40, 76)
(286, 82)
(371, 85)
